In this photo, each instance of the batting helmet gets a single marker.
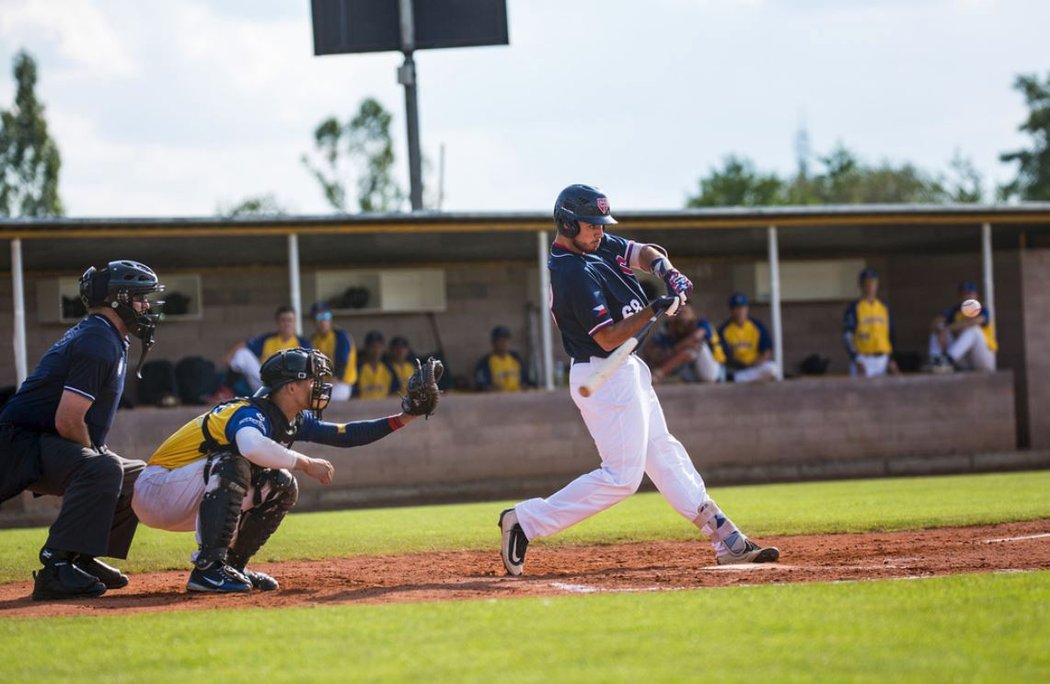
(117, 284)
(580, 203)
(291, 365)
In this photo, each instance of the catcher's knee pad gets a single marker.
(276, 492)
(227, 477)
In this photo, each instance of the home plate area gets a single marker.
(556, 569)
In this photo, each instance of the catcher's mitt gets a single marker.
(423, 392)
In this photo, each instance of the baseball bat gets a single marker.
(620, 354)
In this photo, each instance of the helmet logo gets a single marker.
(603, 204)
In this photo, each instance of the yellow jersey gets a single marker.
(224, 420)
(375, 382)
(955, 314)
(868, 328)
(744, 344)
(501, 373)
(337, 345)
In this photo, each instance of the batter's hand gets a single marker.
(677, 283)
(319, 469)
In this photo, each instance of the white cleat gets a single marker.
(512, 549)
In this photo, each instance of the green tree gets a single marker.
(846, 179)
(256, 205)
(738, 184)
(29, 158)
(1033, 165)
(363, 142)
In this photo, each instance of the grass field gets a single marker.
(991, 627)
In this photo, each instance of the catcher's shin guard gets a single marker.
(276, 492)
(227, 477)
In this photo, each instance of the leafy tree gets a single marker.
(737, 183)
(964, 183)
(29, 159)
(256, 205)
(1033, 165)
(847, 180)
(364, 142)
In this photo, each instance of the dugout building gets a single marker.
(444, 281)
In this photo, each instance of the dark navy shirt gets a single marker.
(91, 360)
(591, 291)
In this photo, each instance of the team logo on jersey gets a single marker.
(603, 204)
(600, 310)
(621, 261)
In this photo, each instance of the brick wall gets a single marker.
(523, 445)
(1035, 276)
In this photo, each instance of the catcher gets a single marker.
(227, 473)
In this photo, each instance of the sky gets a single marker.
(183, 108)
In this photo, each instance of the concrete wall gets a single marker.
(1035, 277)
(479, 447)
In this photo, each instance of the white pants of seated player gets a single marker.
(627, 423)
(247, 364)
(703, 368)
(874, 365)
(767, 370)
(171, 499)
(969, 349)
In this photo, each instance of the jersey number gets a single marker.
(634, 307)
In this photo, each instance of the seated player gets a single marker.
(376, 378)
(400, 357)
(246, 357)
(227, 473)
(502, 369)
(958, 341)
(338, 345)
(747, 344)
(688, 349)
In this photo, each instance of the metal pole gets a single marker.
(986, 263)
(441, 178)
(774, 302)
(21, 370)
(293, 281)
(545, 314)
(406, 76)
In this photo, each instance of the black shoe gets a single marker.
(107, 574)
(260, 580)
(219, 578)
(514, 543)
(61, 579)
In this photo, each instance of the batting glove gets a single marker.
(676, 282)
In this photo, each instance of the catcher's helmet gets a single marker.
(291, 365)
(580, 203)
(116, 285)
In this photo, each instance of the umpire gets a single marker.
(53, 434)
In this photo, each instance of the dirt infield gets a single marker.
(565, 569)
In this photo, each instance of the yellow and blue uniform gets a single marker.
(955, 314)
(743, 345)
(375, 381)
(503, 373)
(338, 345)
(402, 372)
(225, 420)
(711, 339)
(265, 346)
(868, 328)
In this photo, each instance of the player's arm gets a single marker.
(352, 434)
(69, 418)
(653, 259)
(612, 336)
(266, 453)
(963, 323)
(849, 328)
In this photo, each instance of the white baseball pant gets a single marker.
(247, 364)
(969, 349)
(767, 370)
(874, 365)
(627, 423)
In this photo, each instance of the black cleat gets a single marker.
(260, 580)
(218, 578)
(514, 543)
(107, 574)
(60, 579)
(751, 553)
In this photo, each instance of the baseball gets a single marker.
(971, 307)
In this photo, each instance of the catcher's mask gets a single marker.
(117, 285)
(291, 365)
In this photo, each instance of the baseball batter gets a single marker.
(227, 473)
(599, 304)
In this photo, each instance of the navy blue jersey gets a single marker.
(91, 360)
(591, 291)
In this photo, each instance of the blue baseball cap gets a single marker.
(373, 336)
(321, 311)
(967, 286)
(737, 299)
(868, 274)
(500, 332)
